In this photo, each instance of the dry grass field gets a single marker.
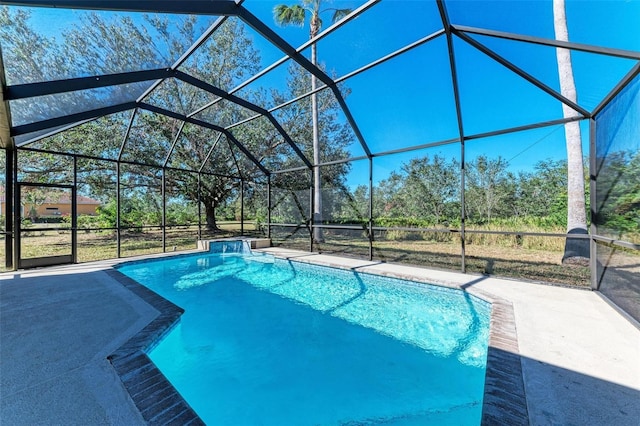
(531, 258)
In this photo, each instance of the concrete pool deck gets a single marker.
(579, 357)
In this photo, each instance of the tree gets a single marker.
(99, 45)
(296, 15)
(227, 58)
(389, 199)
(576, 250)
(424, 193)
(541, 190)
(431, 186)
(32, 197)
(129, 46)
(28, 56)
(356, 207)
(488, 187)
(618, 196)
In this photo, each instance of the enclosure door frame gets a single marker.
(18, 214)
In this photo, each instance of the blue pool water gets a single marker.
(265, 341)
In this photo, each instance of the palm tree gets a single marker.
(576, 250)
(296, 15)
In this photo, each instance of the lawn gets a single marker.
(99, 245)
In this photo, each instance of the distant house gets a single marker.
(55, 204)
(61, 206)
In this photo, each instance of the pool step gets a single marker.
(258, 243)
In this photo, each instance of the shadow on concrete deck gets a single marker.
(56, 332)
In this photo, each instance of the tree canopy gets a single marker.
(99, 45)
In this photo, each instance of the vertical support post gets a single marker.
(164, 210)
(8, 210)
(74, 212)
(199, 198)
(312, 217)
(241, 207)
(269, 207)
(370, 208)
(16, 212)
(462, 209)
(593, 182)
(446, 23)
(118, 201)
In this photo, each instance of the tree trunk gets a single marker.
(210, 211)
(576, 250)
(317, 186)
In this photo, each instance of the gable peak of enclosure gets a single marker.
(436, 114)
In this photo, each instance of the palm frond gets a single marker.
(338, 14)
(289, 15)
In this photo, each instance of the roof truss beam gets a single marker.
(531, 79)
(71, 118)
(619, 87)
(290, 51)
(281, 44)
(55, 132)
(112, 160)
(391, 55)
(201, 40)
(173, 145)
(206, 158)
(282, 60)
(6, 141)
(354, 14)
(197, 7)
(628, 54)
(350, 119)
(197, 122)
(444, 16)
(219, 92)
(245, 104)
(30, 90)
(127, 132)
(235, 160)
(288, 139)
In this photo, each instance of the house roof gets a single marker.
(61, 199)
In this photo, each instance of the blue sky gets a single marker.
(408, 100)
(412, 96)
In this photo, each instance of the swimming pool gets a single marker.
(268, 341)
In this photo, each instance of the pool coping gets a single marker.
(158, 401)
